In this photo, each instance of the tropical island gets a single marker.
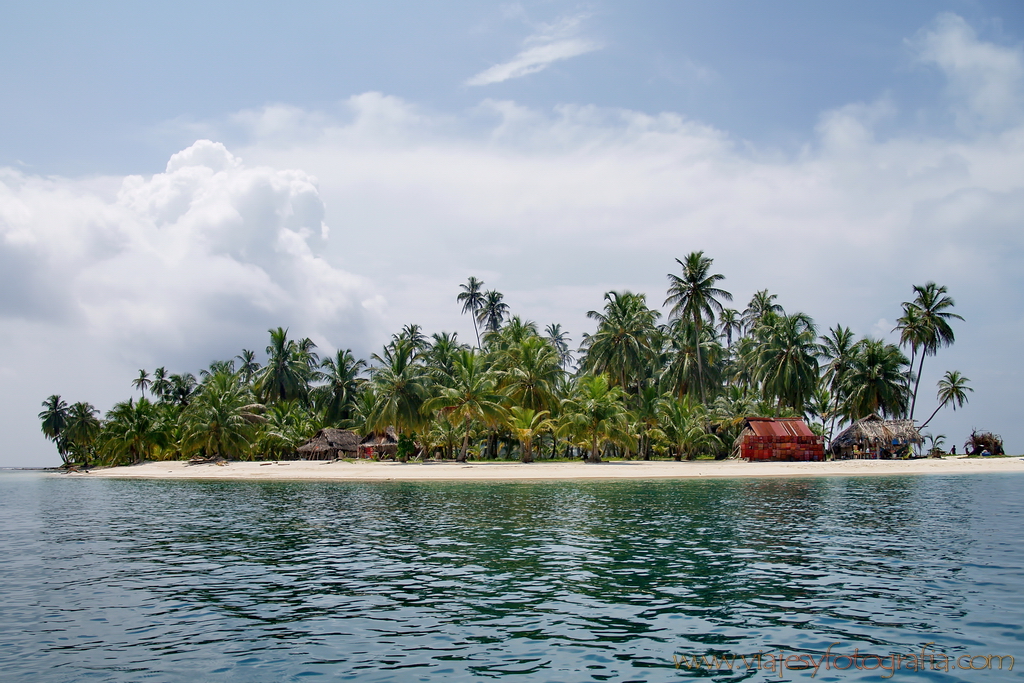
(641, 387)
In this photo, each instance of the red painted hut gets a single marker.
(779, 438)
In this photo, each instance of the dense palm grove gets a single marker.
(640, 386)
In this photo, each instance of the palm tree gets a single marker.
(838, 349)
(687, 367)
(132, 429)
(560, 340)
(414, 335)
(730, 322)
(472, 299)
(526, 424)
(81, 430)
(222, 419)
(338, 395)
(685, 427)
(875, 380)
(287, 373)
(625, 341)
(596, 412)
(493, 310)
(142, 382)
(401, 386)
(472, 395)
(55, 418)
(161, 384)
(761, 304)
(788, 359)
(932, 306)
(953, 390)
(529, 373)
(182, 388)
(248, 366)
(695, 298)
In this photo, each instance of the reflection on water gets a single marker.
(564, 581)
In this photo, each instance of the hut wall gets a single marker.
(784, 439)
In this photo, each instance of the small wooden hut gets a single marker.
(379, 443)
(779, 438)
(330, 444)
(874, 438)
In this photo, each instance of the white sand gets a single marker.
(507, 471)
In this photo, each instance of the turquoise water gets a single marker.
(105, 580)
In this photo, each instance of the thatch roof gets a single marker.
(874, 431)
(331, 442)
(386, 438)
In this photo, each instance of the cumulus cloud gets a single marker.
(552, 43)
(191, 258)
(985, 80)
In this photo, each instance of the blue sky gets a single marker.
(362, 159)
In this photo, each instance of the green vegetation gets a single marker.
(637, 388)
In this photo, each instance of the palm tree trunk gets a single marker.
(700, 369)
(934, 413)
(465, 445)
(593, 450)
(917, 385)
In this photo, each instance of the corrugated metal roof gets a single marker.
(779, 426)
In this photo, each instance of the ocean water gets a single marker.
(106, 580)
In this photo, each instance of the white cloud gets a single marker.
(180, 262)
(552, 43)
(985, 80)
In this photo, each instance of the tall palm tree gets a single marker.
(837, 349)
(596, 412)
(54, 417)
(142, 382)
(472, 299)
(875, 380)
(932, 304)
(686, 367)
(493, 310)
(161, 384)
(471, 395)
(953, 389)
(625, 341)
(730, 322)
(560, 340)
(287, 372)
(695, 297)
(761, 304)
(788, 360)
(529, 373)
(182, 388)
(401, 387)
(248, 365)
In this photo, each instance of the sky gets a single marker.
(176, 179)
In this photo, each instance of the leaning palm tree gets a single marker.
(695, 297)
(55, 418)
(953, 389)
(932, 306)
(472, 299)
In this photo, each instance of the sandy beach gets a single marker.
(510, 471)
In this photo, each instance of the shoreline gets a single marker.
(314, 470)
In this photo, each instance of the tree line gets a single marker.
(639, 386)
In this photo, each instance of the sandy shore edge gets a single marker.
(510, 471)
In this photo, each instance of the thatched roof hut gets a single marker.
(872, 437)
(385, 442)
(329, 444)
